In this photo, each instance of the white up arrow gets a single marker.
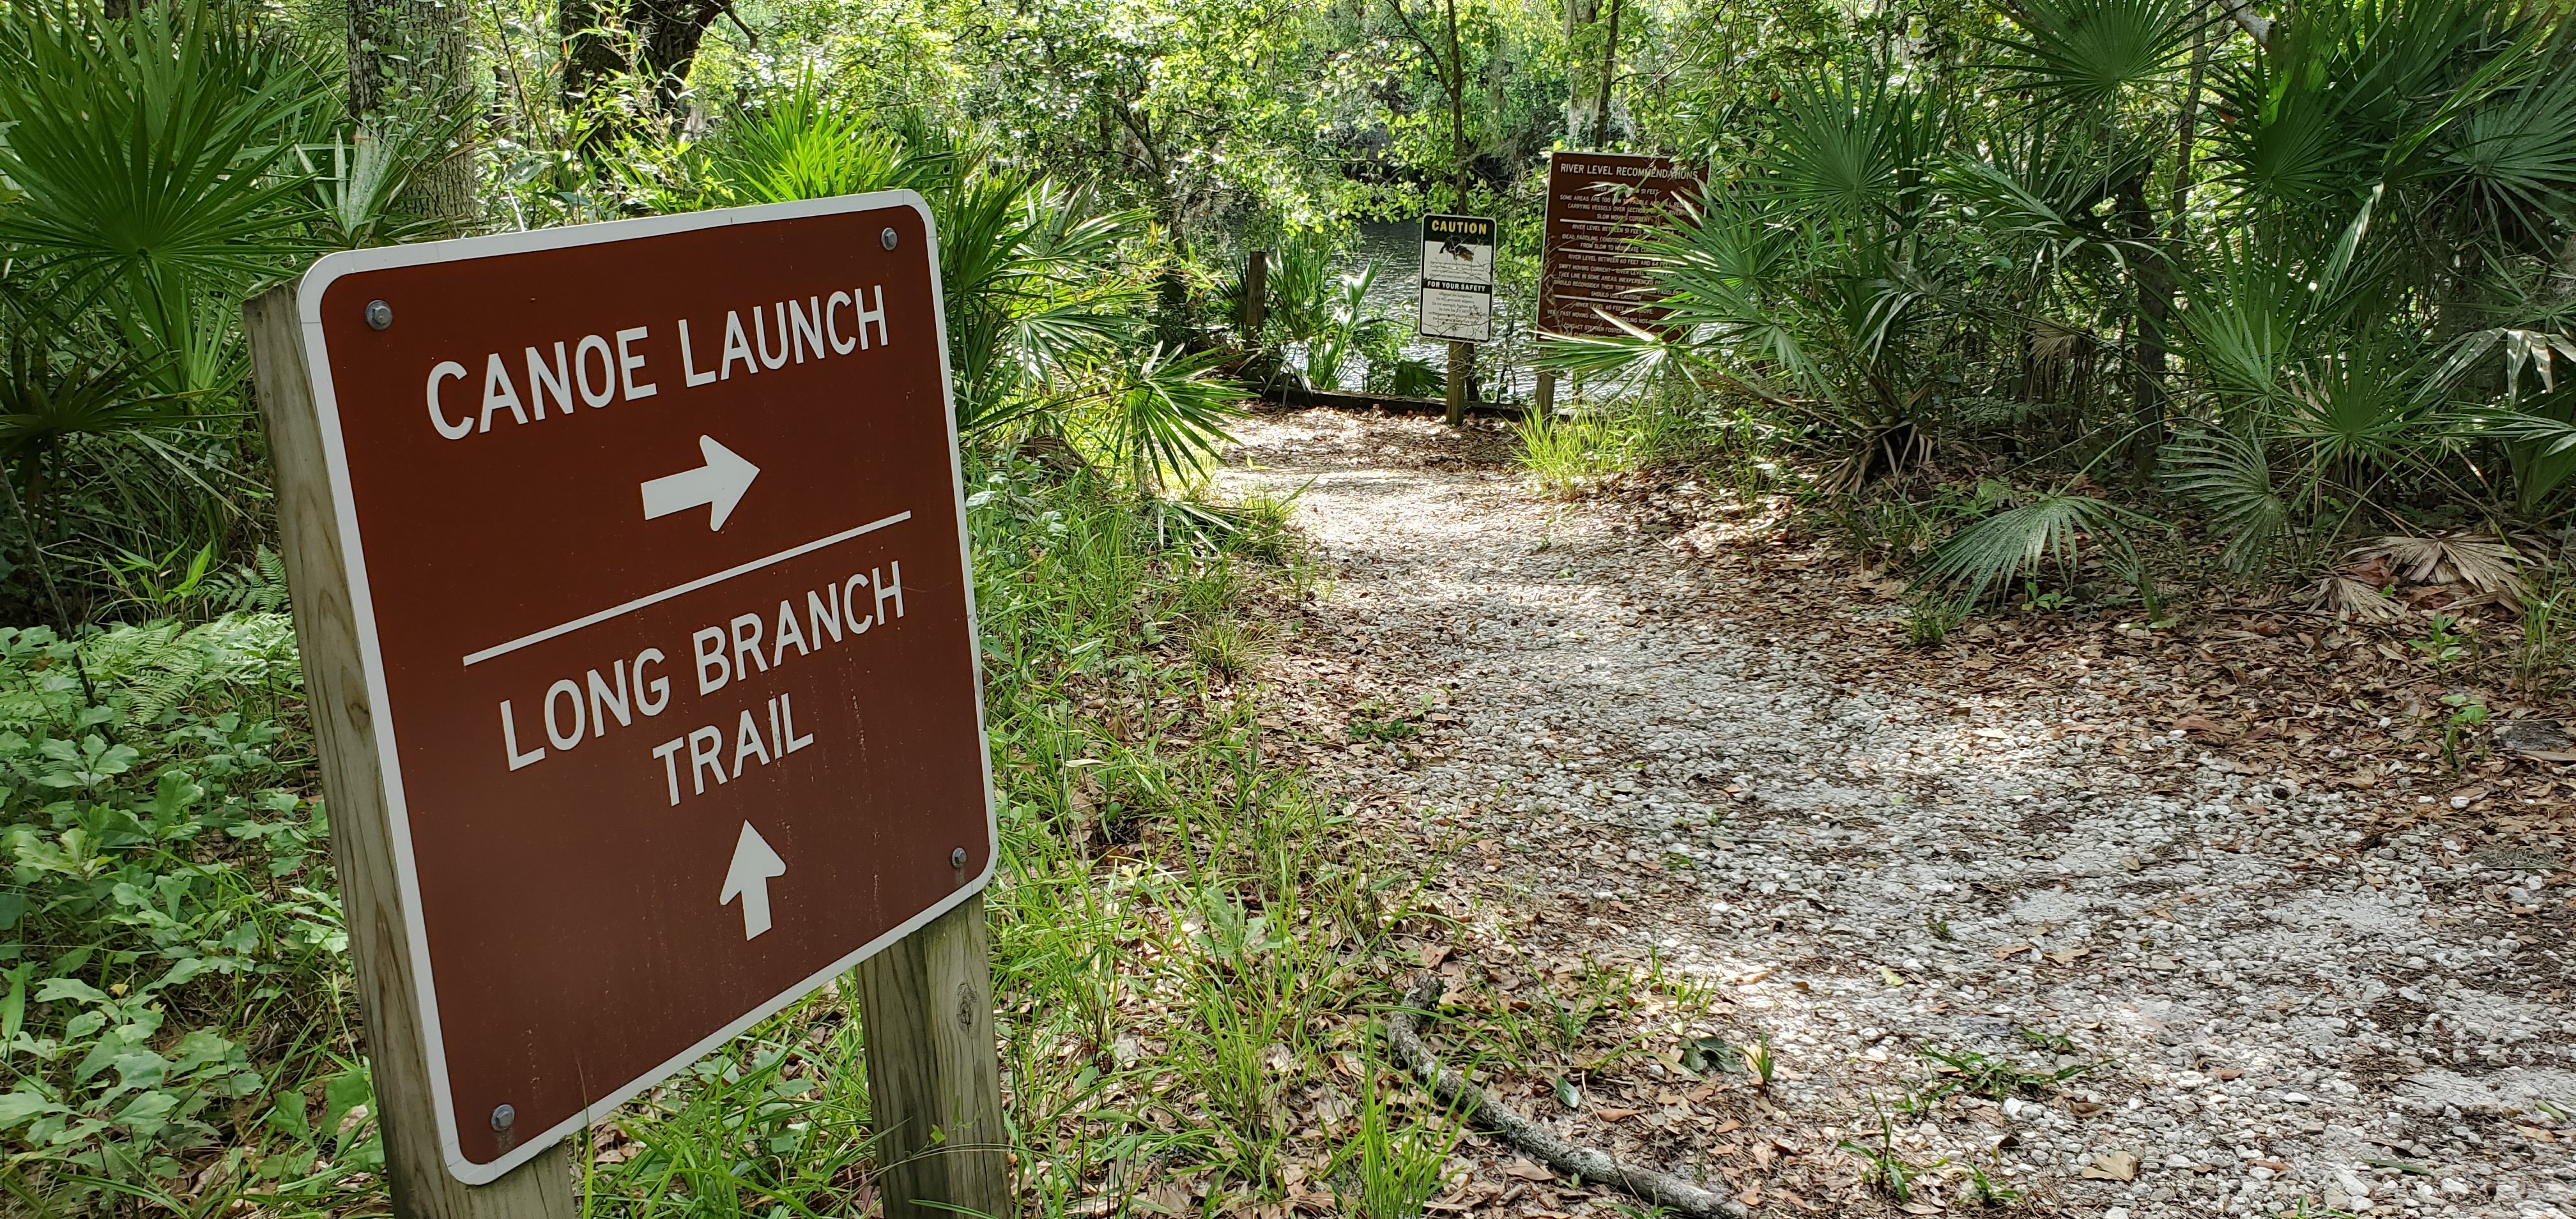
(753, 865)
(719, 483)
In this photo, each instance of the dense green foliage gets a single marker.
(172, 945)
(2312, 286)
(1998, 290)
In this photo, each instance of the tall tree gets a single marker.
(1609, 74)
(657, 39)
(409, 69)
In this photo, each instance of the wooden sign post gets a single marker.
(1256, 296)
(362, 853)
(631, 580)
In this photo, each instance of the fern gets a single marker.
(257, 587)
(163, 665)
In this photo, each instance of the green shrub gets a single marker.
(168, 916)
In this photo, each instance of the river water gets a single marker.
(1503, 368)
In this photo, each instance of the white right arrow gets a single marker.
(753, 865)
(719, 483)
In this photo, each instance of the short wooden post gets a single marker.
(1462, 362)
(934, 1085)
(1256, 295)
(1546, 392)
(353, 784)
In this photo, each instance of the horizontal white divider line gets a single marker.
(555, 632)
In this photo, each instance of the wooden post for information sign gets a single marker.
(926, 1005)
(1256, 296)
(1461, 362)
(362, 850)
(1457, 296)
(607, 793)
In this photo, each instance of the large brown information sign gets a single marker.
(654, 546)
(1597, 204)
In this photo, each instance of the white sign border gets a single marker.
(317, 363)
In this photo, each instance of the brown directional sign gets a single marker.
(1597, 204)
(656, 557)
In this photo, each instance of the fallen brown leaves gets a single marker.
(2268, 690)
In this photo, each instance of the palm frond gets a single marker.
(1857, 147)
(2229, 473)
(1168, 413)
(2085, 54)
(2361, 404)
(2512, 161)
(2523, 349)
(2347, 597)
(155, 147)
(49, 396)
(354, 207)
(2020, 540)
(2245, 320)
(2479, 561)
(1730, 280)
(804, 146)
(2037, 190)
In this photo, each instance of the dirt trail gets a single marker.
(1629, 759)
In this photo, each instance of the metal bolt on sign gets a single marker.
(886, 239)
(504, 1117)
(380, 315)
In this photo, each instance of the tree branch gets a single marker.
(2252, 23)
(1404, 1028)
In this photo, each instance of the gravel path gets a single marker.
(1627, 756)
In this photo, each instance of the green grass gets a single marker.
(1568, 454)
(1883, 1170)
(1184, 935)
(1997, 1078)
(1391, 1167)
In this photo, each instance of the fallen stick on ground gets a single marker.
(1404, 1027)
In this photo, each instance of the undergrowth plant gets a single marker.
(1567, 454)
(1992, 1077)
(1390, 1167)
(174, 1005)
(1179, 925)
(1884, 1170)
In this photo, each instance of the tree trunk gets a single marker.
(1457, 116)
(662, 36)
(409, 58)
(2188, 129)
(1579, 15)
(1609, 73)
(2155, 286)
(1462, 357)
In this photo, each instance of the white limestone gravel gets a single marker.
(2293, 1014)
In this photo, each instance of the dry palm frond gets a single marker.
(2359, 600)
(2477, 560)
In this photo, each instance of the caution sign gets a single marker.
(1457, 278)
